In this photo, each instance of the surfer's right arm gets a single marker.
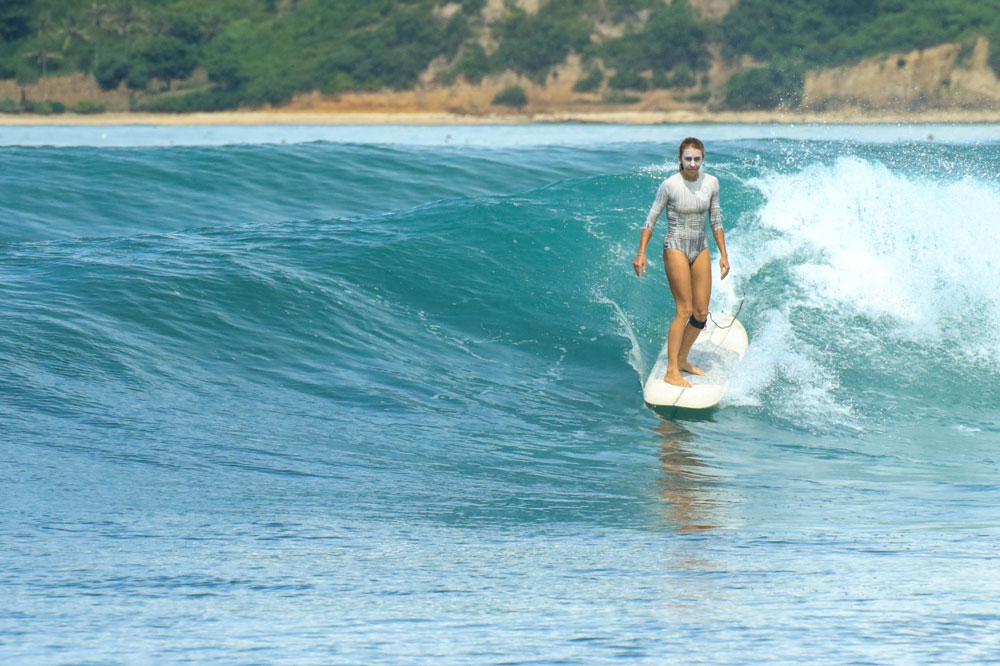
(640, 260)
(647, 229)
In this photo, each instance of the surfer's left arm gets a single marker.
(715, 220)
(720, 240)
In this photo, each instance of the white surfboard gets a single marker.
(716, 351)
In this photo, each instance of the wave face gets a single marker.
(226, 342)
(864, 270)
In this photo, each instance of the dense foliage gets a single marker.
(511, 96)
(778, 85)
(254, 52)
(821, 33)
(672, 39)
(534, 45)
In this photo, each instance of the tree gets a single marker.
(126, 19)
(41, 56)
(511, 96)
(167, 58)
(766, 87)
(99, 16)
(15, 19)
(591, 82)
(672, 38)
(533, 45)
(43, 23)
(112, 70)
(474, 64)
(71, 35)
(97, 21)
(25, 76)
(138, 77)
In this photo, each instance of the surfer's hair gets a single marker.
(691, 142)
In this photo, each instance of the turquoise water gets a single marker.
(373, 396)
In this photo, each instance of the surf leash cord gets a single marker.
(743, 298)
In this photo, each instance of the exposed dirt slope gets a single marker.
(949, 76)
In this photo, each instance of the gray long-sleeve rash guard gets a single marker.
(686, 202)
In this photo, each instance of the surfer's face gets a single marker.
(691, 159)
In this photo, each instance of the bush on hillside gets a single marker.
(672, 37)
(112, 70)
(473, 64)
(701, 96)
(86, 106)
(682, 77)
(591, 81)
(534, 45)
(138, 77)
(628, 80)
(511, 96)
(765, 88)
(621, 98)
(201, 100)
(166, 57)
(43, 108)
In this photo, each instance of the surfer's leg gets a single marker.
(679, 276)
(701, 292)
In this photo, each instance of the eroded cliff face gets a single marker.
(948, 76)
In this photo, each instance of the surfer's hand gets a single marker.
(724, 267)
(640, 264)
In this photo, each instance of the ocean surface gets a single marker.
(372, 395)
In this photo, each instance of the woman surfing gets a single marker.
(687, 197)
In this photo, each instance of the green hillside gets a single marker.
(264, 51)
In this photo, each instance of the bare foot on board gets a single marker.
(694, 370)
(676, 380)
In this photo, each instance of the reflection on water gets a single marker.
(690, 506)
(686, 484)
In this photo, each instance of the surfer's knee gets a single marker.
(701, 314)
(684, 311)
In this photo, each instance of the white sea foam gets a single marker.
(806, 392)
(864, 240)
(868, 258)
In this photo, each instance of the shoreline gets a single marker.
(608, 117)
